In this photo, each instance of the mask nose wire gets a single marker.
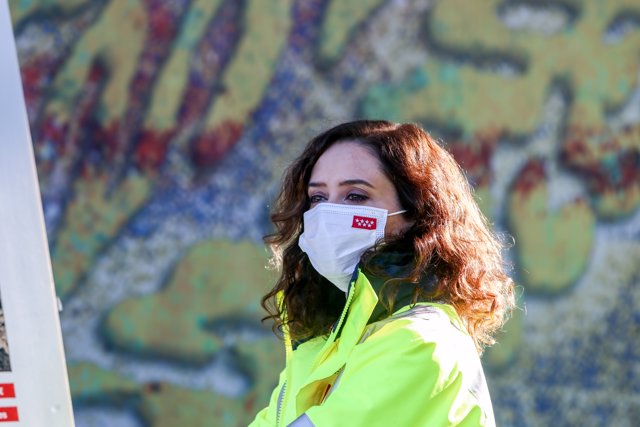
(397, 213)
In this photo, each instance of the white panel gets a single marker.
(38, 368)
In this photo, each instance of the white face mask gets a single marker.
(335, 237)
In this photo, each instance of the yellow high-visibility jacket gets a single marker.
(418, 367)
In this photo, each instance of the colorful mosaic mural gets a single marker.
(161, 129)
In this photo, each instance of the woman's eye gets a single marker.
(355, 197)
(316, 198)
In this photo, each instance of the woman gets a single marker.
(391, 284)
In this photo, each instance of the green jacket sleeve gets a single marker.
(406, 374)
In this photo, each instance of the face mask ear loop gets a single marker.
(397, 213)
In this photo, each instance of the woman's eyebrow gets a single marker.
(357, 181)
(343, 183)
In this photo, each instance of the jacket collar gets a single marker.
(367, 286)
(361, 301)
(363, 305)
(392, 297)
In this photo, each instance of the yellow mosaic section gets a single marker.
(166, 99)
(249, 73)
(130, 20)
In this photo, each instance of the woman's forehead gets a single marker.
(347, 160)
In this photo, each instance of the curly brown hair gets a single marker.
(450, 237)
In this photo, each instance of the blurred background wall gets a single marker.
(162, 127)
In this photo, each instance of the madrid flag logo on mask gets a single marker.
(364, 222)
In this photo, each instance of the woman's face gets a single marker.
(348, 173)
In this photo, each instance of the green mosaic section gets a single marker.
(91, 220)
(508, 343)
(554, 244)
(215, 280)
(601, 74)
(92, 383)
(23, 8)
(341, 19)
(164, 405)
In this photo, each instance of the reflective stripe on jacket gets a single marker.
(418, 367)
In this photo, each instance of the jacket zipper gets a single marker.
(281, 395)
(343, 315)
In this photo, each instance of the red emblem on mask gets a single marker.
(364, 222)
